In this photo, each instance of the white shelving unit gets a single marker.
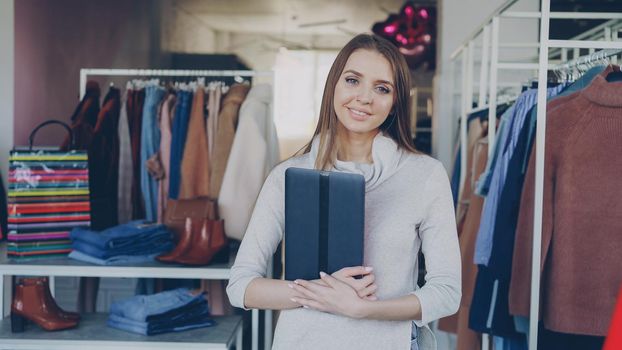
(86, 72)
(92, 332)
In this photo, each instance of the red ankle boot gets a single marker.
(30, 302)
(72, 316)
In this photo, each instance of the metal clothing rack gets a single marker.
(586, 60)
(86, 72)
(604, 36)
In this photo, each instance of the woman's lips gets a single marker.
(358, 115)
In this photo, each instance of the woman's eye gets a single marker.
(351, 81)
(383, 89)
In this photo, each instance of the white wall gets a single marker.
(7, 44)
(7, 16)
(458, 19)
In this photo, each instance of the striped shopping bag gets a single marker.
(48, 196)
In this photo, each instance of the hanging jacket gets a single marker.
(255, 146)
(467, 338)
(225, 133)
(135, 102)
(213, 109)
(104, 163)
(84, 118)
(195, 165)
(467, 218)
(126, 175)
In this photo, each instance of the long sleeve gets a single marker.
(224, 134)
(440, 295)
(264, 232)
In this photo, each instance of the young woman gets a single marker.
(364, 128)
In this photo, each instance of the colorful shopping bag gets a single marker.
(48, 196)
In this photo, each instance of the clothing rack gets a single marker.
(86, 72)
(593, 57)
(489, 30)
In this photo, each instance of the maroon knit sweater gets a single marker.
(582, 216)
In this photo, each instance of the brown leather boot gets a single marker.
(185, 240)
(205, 244)
(30, 303)
(72, 316)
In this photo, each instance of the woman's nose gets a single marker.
(364, 96)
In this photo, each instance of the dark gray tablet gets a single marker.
(324, 222)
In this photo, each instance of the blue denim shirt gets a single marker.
(179, 132)
(505, 144)
(149, 145)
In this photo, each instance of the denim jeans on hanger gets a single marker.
(150, 144)
(180, 131)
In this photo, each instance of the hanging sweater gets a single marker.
(408, 207)
(582, 214)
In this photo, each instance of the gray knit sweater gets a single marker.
(408, 208)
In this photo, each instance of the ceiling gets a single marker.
(565, 29)
(297, 17)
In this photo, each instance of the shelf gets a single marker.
(70, 267)
(92, 333)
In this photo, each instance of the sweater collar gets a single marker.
(386, 156)
(602, 92)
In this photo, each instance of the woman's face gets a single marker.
(365, 92)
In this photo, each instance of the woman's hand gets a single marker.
(333, 296)
(364, 287)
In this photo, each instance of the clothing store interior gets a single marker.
(137, 136)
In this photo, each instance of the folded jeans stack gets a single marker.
(131, 243)
(170, 311)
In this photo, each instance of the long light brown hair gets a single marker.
(397, 124)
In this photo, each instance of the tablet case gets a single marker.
(324, 222)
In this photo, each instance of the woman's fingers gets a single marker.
(372, 297)
(330, 280)
(367, 280)
(309, 304)
(302, 291)
(317, 288)
(367, 291)
(352, 271)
